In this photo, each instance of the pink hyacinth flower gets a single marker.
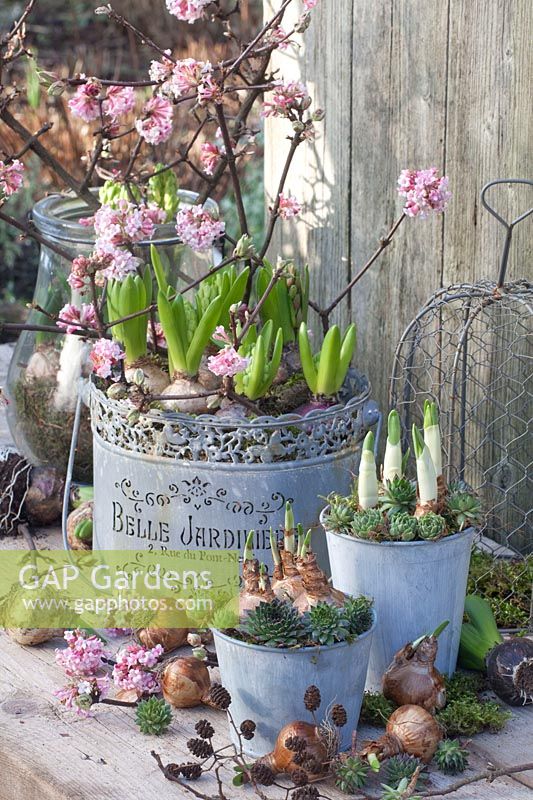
(227, 362)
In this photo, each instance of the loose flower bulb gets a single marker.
(185, 682)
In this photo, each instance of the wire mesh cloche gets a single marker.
(470, 348)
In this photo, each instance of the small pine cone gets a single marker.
(305, 793)
(204, 729)
(312, 766)
(247, 729)
(295, 743)
(191, 771)
(200, 748)
(312, 698)
(339, 715)
(299, 777)
(262, 774)
(219, 697)
(173, 770)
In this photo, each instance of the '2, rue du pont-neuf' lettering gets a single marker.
(190, 535)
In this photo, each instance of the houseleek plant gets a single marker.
(325, 372)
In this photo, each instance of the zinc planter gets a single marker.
(174, 481)
(415, 586)
(267, 684)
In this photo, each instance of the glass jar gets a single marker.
(45, 370)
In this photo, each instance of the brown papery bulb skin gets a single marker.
(185, 682)
(412, 677)
(316, 588)
(168, 638)
(281, 759)
(251, 593)
(32, 636)
(417, 731)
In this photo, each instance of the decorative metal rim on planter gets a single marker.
(207, 438)
(287, 651)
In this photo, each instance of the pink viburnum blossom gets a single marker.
(309, 4)
(288, 206)
(83, 655)
(187, 75)
(209, 90)
(73, 318)
(156, 126)
(11, 177)
(125, 224)
(197, 228)
(105, 355)
(85, 103)
(133, 669)
(80, 695)
(161, 71)
(188, 10)
(119, 100)
(285, 98)
(209, 157)
(425, 192)
(85, 266)
(278, 37)
(227, 362)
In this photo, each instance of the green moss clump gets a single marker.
(376, 709)
(466, 712)
(468, 716)
(506, 584)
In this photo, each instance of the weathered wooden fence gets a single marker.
(444, 83)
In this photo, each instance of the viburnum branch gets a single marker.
(18, 24)
(18, 327)
(259, 305)
(43, 129)
(177, 779)
(324, 313)
(110, 12)
(29, 230)
(230, 159)
(275, 20)
(47, 158)
(489, 775)
(295, 141)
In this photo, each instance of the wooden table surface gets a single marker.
(47, 753)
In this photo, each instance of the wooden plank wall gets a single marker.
(406, 83)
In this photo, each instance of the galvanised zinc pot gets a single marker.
(267, 684)
(415, 586)
(174, 482)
